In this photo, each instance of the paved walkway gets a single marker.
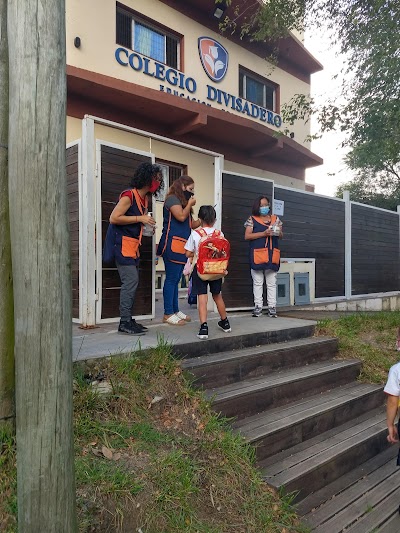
(105, 340)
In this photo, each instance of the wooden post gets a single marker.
(41, 266)
(6, 298)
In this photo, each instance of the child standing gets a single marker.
(207, 217)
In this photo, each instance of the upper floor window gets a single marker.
(147, 39)
(258, 90)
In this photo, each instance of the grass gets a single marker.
(152, 456)
(370, 337)
(8, 481)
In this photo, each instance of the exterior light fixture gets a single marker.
(77, 42)
(219, 10)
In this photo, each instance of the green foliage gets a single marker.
(370, 337)
(366, 35)
(380, 190)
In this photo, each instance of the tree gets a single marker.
(366, 33)
(372, 189)
(6, 299)
(41, 266)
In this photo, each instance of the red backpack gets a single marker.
(212, 255)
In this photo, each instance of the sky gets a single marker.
(328, 147)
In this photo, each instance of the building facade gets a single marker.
(155, 80)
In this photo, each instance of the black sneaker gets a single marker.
(257, 311)
(203, 331)
(130, 328)
(272, 312)
(143, 328)
(224, 325)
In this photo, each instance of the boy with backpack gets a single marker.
(210, 251)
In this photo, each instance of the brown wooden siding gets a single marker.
(72, 161)
(238, 195)
(375, 250)
(313, 226)
(117, 169)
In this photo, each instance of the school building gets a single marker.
(154, 80)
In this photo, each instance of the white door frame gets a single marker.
(90, 296)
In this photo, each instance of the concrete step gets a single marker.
(275, 330)
(235, 365)
(253, 396)
(280, 428)
(321, 463)
(377, 479)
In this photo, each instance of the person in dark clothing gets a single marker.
(127, 220)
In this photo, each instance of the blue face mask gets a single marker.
(264, 210)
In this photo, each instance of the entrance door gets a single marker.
(118, 165)
(238, 195)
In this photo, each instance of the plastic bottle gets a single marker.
(148, 229)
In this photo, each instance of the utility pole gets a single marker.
(41, 266)
(7, 411)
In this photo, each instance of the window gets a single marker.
(258, 90)
(170, 172)
(147, 39)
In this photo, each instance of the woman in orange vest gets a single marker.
(124, 238)
(263, 231)
(177, 225)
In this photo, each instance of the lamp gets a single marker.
(219, 10)
(77, 42)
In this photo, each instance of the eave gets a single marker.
(239, 139)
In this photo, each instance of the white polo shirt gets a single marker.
(393, 382)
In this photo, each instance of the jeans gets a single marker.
(173, 274)
(129, 275)
(258, 282)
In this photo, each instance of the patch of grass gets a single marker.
(152, 455)
(8, 481)
(107, 477)
(370, 337)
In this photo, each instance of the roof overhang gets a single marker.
(292, 54)
(184, 120)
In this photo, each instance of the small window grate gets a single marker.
(171, 51)
(124, 29)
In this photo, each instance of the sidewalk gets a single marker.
(105, 340)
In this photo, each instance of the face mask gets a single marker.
(188, 194)
(155, 184)
(264, 210)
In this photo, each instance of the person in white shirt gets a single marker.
(207, 217)
(392, 389)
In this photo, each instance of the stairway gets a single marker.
(318, 432)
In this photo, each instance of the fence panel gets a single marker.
(375, 250)
(314, 226)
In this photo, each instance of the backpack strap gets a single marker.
(141, 209)
(202, 232)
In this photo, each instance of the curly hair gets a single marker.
(176, 189)
(144, 175)
(255, 210)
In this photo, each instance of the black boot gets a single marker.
(130, 328)
(143, 328)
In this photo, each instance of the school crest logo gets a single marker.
(214, 58)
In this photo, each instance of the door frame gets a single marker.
(91, 209)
